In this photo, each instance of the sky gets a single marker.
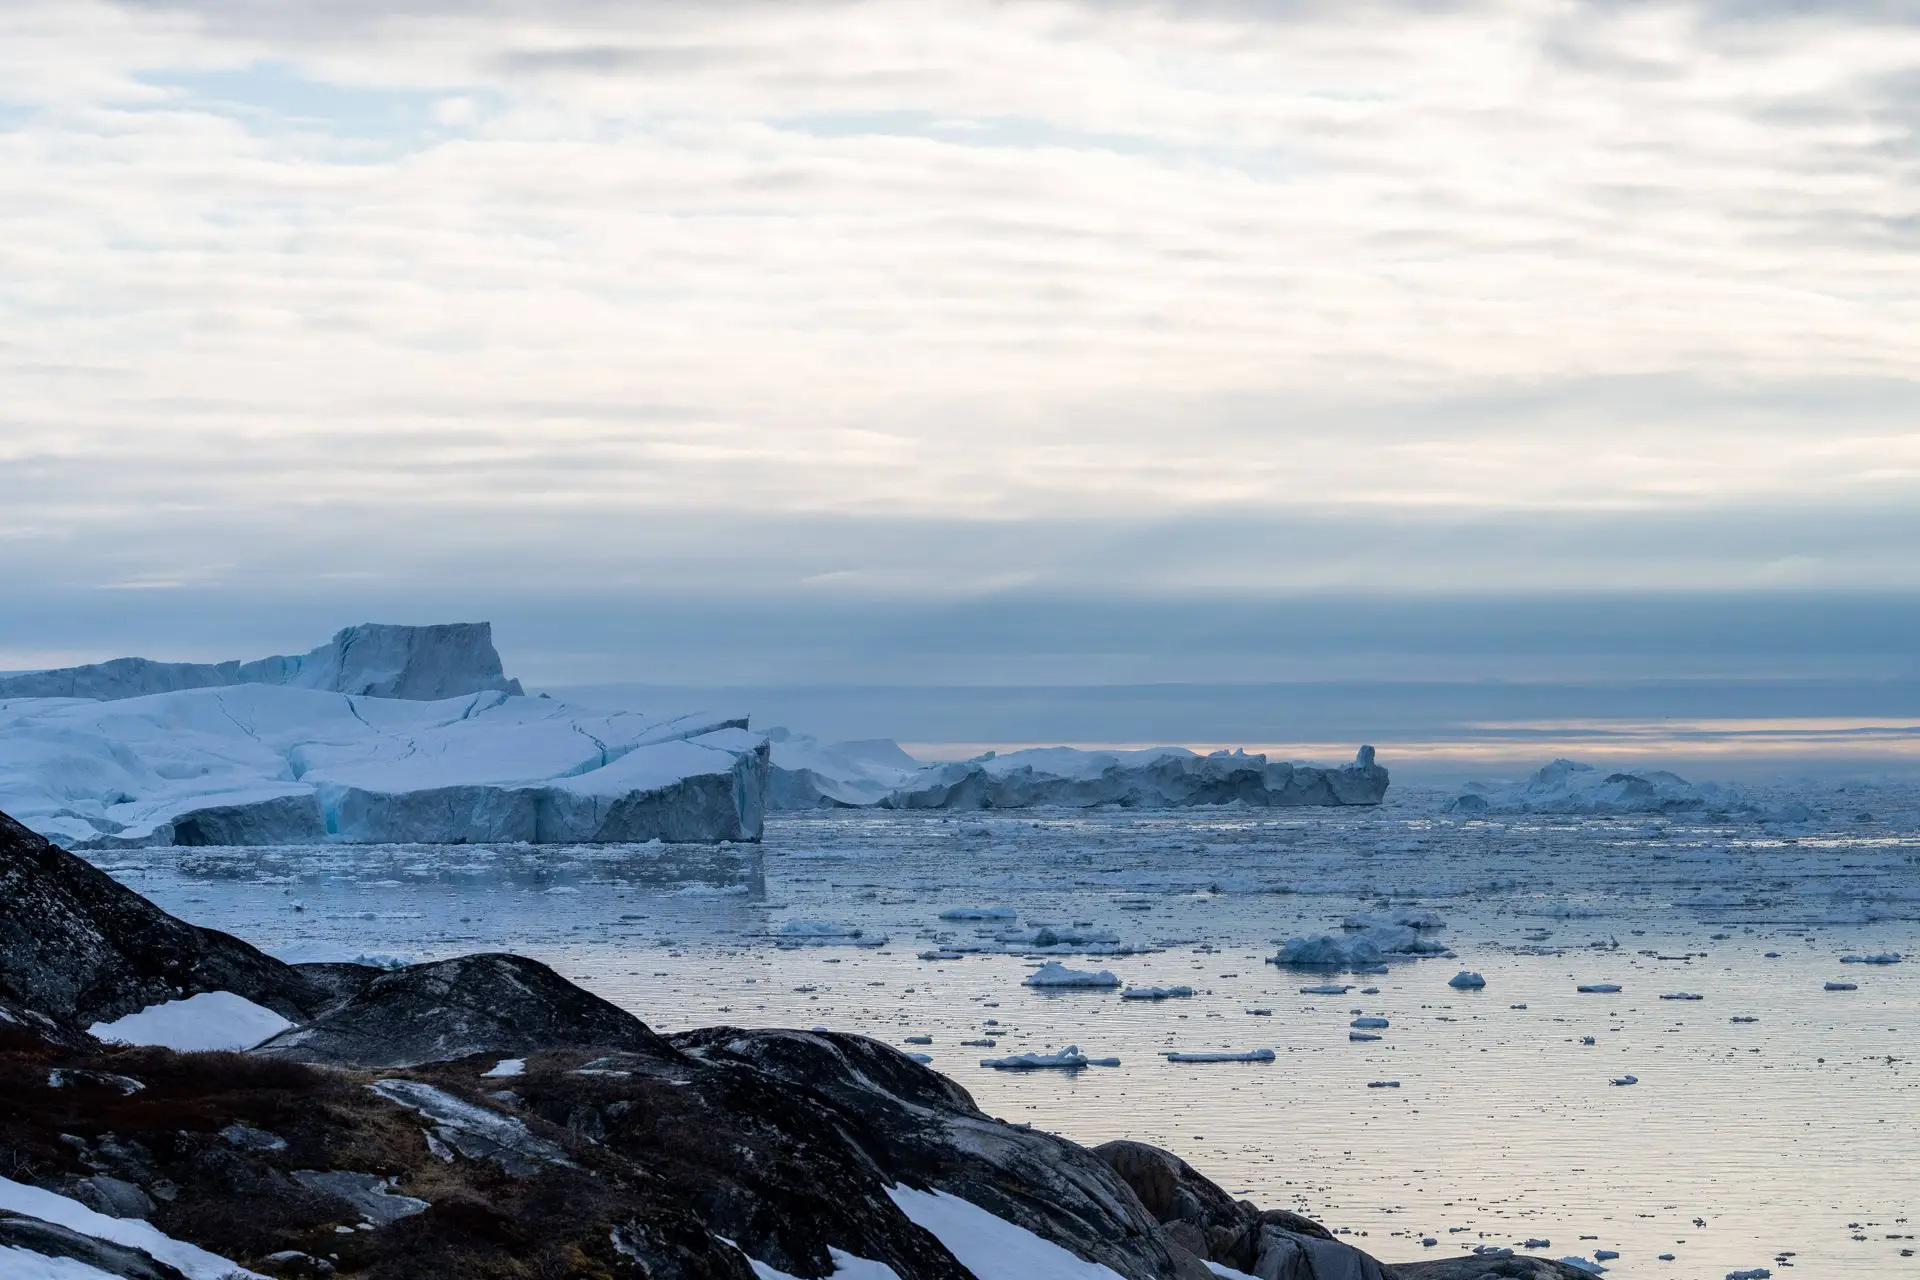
(660, 333)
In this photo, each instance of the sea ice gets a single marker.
(1598, 988)
(1156, 993)
(1327, 989)
(1883, 957)
(1068, 1059)
(1682, 995)
(1055, 974)
(208, 1020)
(979, 913)
(1251, 1055)
(1466, 981)
(1842, 986)
(1327, 952)
(1368, 1024)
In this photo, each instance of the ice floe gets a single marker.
(1067, 1059)
(1156, 993)
(1466, 980)
(1250, 1055)
(1055, 974)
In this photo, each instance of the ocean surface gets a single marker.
(1772, 1124)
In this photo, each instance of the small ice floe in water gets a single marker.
(1624, 1080)
(981, 1044)
(505, 1067)
(1492, 1251)
(1068, 1059)
(918, 1040)
(1361, 1036)
(1597, 988)
(1582, 1264)
(817, 933)
(1881, 957)
(1327, 989)
(1405, 917)
(1383, 1084)
(1428, 1242)
(1156, 993)
(1757, 1273)
(1682, 995)
(1606, 1255)
(1261, 1013)
(1055, 974)
(979, 913)
(921, 1057)
(1516, 1006)
(1586, 1040)
(943, 955)
(1251, 1055)
(1327, 952)
(1842, 986)
(1368, 1024)
(1743, 1018)
(1466, 980)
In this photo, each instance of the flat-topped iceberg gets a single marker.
(809, 774)
(446, 660)
(274, 764)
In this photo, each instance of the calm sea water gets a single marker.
(1785, 1139)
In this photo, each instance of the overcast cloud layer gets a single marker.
(932, 298)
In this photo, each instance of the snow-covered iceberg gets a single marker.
(807, 773)
(1162, 778)
(274, 764)
(1571, 787)
(378, 660)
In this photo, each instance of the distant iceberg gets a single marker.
(446, 660)
(277, 764)
(1573, 788)
(808, 774)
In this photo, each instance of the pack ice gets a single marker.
(377, 660)
(281, 764)
(809, 774)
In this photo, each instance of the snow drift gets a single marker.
(274, 764)
(378, 660)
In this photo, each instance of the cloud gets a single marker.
(608, 290)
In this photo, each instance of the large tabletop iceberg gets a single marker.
(270, 764)
(444, 660)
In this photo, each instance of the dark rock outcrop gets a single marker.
(78, 947)
(504, 1005)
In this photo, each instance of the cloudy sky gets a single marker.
(360, 305)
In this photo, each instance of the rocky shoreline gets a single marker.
(484, 1117)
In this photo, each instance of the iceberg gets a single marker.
(1573, 788)
(446, 660)
(806, 773)
(1161, 778)
(257, 764)
(1055, 974)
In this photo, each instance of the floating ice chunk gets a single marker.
(506, 1067)
(943, 955)
(1682, 995)
(1598, 988)
(1260, 1013)
(922, 1058)
(1535, 1242)
(1361, 1036)
(1327, 989)
(1492, 1251)
(1757, 1273)
(1383, 1084)
(1466, 980)
(1327, 952)
(1586, 1040)
(1582, 1264)
(1881, 957)
(979, 913)
(1743, 1018)
(1068, 1059)
(1842, 986)
(1605, 1255)
(1055, 974)
(1403, 917)
(816, 929)
(209, 1020)
(1251, 1055)
(918, 1040)
(1368, 1024)
(1156, 993)
(1624, 1080)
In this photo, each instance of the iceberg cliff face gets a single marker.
(1165, 778)
(809, 774)
(266, 764)
(447, 660)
